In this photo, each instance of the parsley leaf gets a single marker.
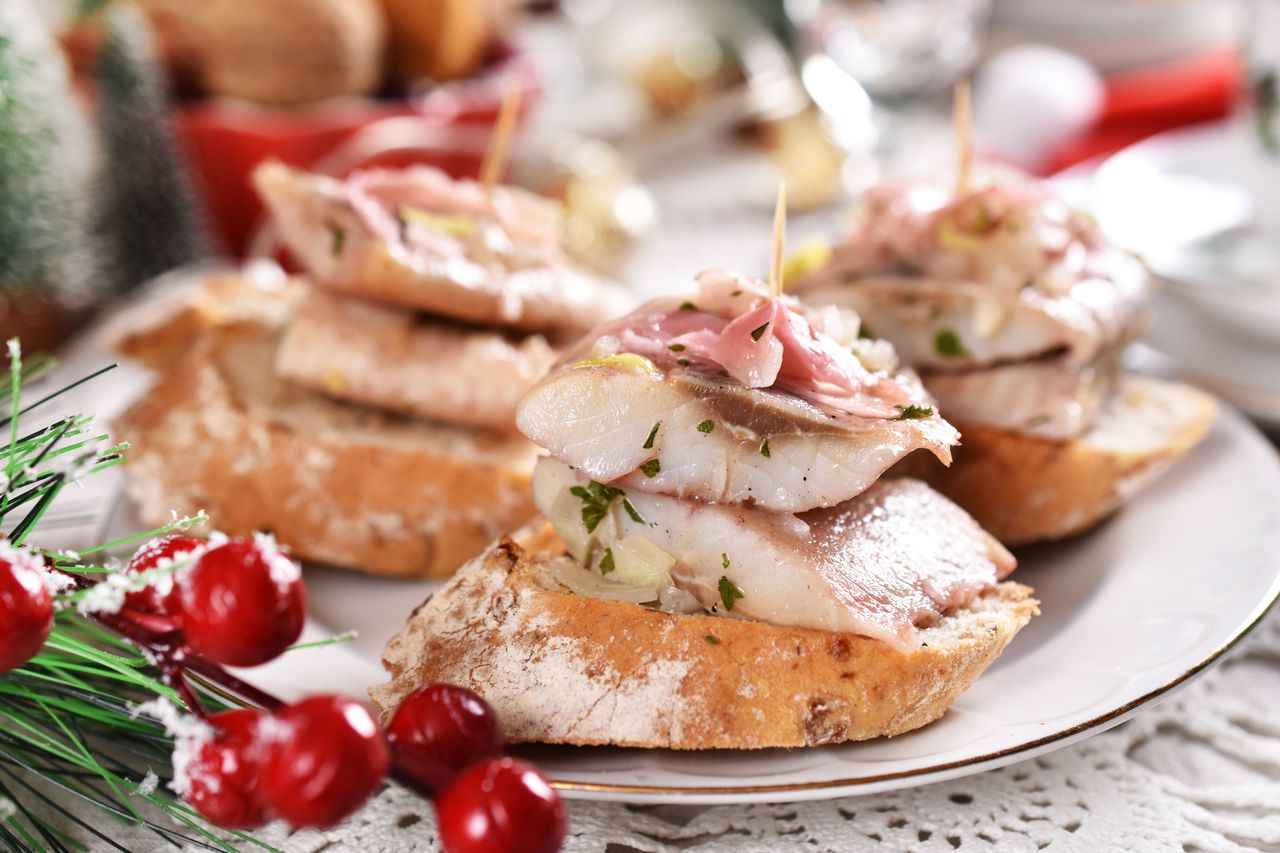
(676, 347)
(729, 592)
(688, 306)
(595, 498)
(758, 332)
(706, 426)
(713, 640)
(949, 345)
(606, 562)
(651, 468)
(631, 511)
(912, 412)
(863, 331)
(724, 559)
(683, 362)
(764, 449)
(653, 433)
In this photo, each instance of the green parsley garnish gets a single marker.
(764, 449)
(595, 498)
(651, 468)
(729, 592)
(688, 306)
(912, 412)
(715, 641)
(606, 562)
(337, 237)
(631, 511)
(653, 433)
(706, 426)
(724, 559)
(863, 331)
(949, 345)
(758, 332)
(683, 362)
(676, 347)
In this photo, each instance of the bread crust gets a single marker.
(336, 483)
(564, 668)
(1026, 489)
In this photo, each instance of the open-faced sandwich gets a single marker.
(1015, 310)
(723, 565)
(370, 422)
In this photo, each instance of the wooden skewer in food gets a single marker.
(779, 240)
(495, 157)
(964, 138)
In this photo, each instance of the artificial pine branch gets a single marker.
(69, 724)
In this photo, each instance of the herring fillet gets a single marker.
(883, 564)
(709, 436)
(393, 359)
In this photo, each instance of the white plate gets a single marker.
(1130, 612)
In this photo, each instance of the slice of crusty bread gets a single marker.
(565, 668)
(168, 317)
(1025, 489)
(336, 483)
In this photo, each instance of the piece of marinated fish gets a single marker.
(883, 564)
(417, 238)
(394, 359)
(1003, 273)
(736, 398)
(1047, 397)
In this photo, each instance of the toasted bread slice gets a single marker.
(401, 361)
(565, 668)
(169, 317)
(336, 483)
(1025, 489)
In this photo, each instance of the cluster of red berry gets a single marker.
(313, 763)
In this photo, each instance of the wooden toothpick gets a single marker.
(779, 239)
(964, 138)
(495, 157)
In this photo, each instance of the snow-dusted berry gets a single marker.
(221, 775)
(26, 607)
(501, 806)
(326, 757)
(243, 603)
(162, 595)
(438, 731)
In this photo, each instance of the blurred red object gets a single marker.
(224, 141)
(1151, 100)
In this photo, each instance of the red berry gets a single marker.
(162, 596)
(440, 730)
(222, 774)
(26, 608)
(243, 602)
(501, 806)
(327, 758)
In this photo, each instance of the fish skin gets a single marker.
(884, 564)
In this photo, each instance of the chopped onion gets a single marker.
(566, 518)
(639, 562)
(586, 582)
(673, 599)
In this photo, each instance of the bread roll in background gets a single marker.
(277, 52)
(442, 39)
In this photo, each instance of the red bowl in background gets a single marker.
(224, 141)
